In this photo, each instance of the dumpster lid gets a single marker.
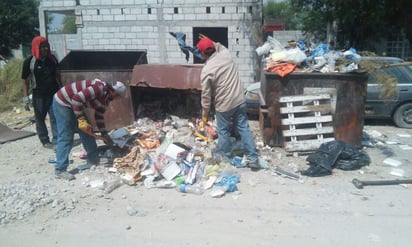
(174, 76)
(102, 59)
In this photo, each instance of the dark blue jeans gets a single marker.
(67, 126)
(241, 122)
(43, 105)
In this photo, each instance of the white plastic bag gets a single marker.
(294, 55)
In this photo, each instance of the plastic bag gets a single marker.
(352, 158)
(352, 55)
(295, 56)
(335, 154)
(319, 51)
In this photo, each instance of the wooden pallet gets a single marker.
(306, 121)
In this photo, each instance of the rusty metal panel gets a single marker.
(348, 117)
(107, 66)
(172, 76)
(102, 60)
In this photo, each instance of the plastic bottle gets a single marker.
(166, 142)
(191, 189)
(109, 186)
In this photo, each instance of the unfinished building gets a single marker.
(128, 25)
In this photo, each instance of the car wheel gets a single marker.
(403, 116)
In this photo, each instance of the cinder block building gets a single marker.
(147, 24)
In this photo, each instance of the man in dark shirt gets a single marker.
(40, 74)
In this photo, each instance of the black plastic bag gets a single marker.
(352, 158)
(335, 154)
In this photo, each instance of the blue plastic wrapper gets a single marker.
(352, 55)
(229, 182)
(319, 51)
(301, 44)
(237, 161)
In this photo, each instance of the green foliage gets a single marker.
(283, 10)
(69, 25)
(359, 23)
(18, 20)
(11, 85)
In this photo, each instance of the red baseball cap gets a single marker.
(205, 44)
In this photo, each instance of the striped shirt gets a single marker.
(85, 94)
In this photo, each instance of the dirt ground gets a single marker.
(267, 210)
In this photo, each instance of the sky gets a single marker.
(57, 21)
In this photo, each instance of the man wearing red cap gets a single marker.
(221, 85)
(40, 74)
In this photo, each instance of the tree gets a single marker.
(354, 23)
(282, 10)
(69, 24)
(18, 22)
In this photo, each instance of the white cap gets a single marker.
(119, 88)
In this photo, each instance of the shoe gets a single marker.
(254, 166)
(48, 145)
(65, 175)
(85, 166)
(83, 155)
(88, 165)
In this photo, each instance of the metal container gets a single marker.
(174, 76)
(109, 66)
(348, 93)
(176, 85)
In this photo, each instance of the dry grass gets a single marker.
(387, 83)
(11, 85)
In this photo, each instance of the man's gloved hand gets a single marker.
(203, 121)
(26, 103)
(84, 125)
(106, 138)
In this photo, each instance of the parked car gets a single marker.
(383, 60)
(252, 94)
(398, 108)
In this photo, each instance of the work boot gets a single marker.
(84, 166)
(254, 166)
(88, 165)
(65, 175)
(48, 145)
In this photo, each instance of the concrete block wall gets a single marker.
(145, 24)
(284, 36)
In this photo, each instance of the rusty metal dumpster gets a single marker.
(107, 66)
(176, 86)
(348, 92)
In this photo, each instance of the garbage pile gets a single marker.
(296, 56)
(171, 153)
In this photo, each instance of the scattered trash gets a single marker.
(110, 185)
(397, 172)
(403, 135)
(218, 191)
(392, 162)
(191, 189)
(285, 173)
(405, 147)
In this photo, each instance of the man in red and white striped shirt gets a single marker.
(69, 104)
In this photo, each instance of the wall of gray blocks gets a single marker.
(145, 24)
